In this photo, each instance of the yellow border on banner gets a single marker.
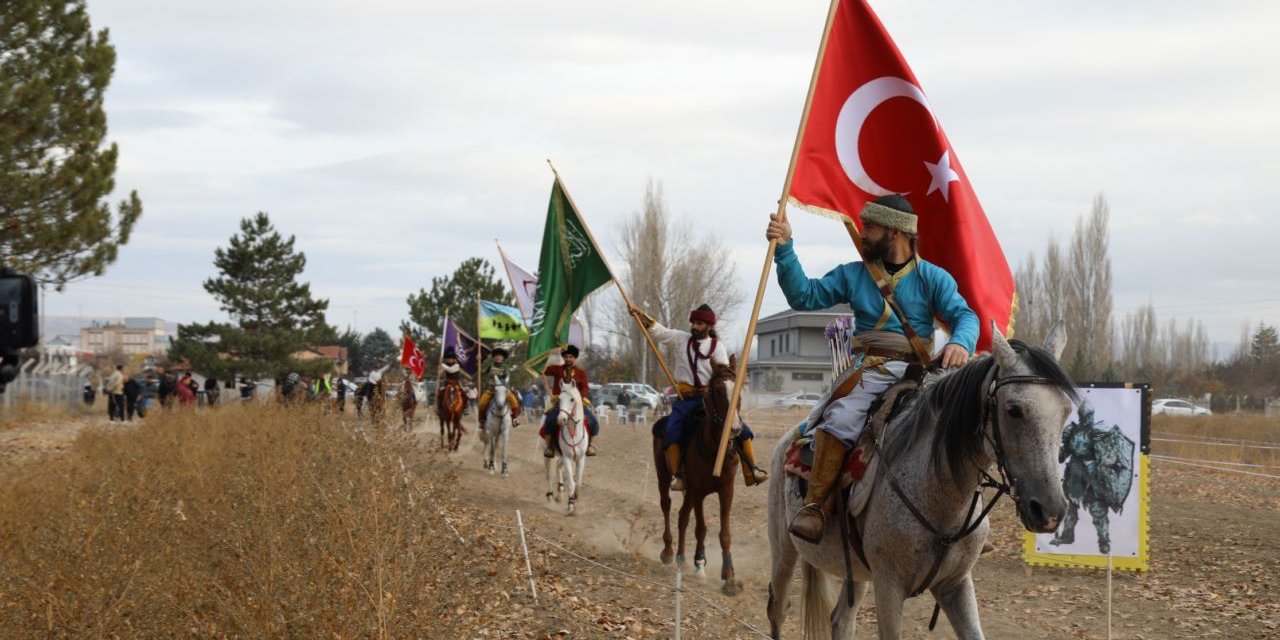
(1140, 563)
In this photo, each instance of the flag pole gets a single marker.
(773, 246)
(479, 355)
(622, 290)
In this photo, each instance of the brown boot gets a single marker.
(751, 474)
(673, 463)
(828, 459)
(548, 452)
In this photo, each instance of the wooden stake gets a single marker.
(528, 570)
(622, 290)
(773, 246)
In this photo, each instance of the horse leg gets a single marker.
(547, 463)
(686, 507)
(700, 534)
(571, 482)
(664, 500)
(957, 599)
(730, 586)
(889, 597)
(506, 433)
(844, 619)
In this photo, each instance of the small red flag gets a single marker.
(871, 132)
(411, 356)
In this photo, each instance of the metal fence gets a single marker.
(50, 382)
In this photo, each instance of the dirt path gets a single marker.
(1215, 543)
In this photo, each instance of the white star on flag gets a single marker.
(942, 174)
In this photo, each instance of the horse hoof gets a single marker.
(548, 497)
(666, 558)
(680, 560)
(732, 587)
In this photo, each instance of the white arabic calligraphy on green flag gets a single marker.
(569, 269)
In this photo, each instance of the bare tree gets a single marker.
(1088, 317)
(668, 271)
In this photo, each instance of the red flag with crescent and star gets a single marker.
(411, 356)
(872, 132)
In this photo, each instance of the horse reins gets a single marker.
(1006, 485)
(573, 422)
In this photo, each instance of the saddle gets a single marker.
(799, 456)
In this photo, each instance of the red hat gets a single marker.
(703, 314)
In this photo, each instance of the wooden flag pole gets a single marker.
(773, 247)
(622, 290)
(479, 355)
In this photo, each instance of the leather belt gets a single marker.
(888, 354)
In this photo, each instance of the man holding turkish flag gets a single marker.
(871, 146)
(870, 133)
(411, 357)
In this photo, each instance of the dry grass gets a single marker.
(243, 522)
(24, 413)
(1244, 439)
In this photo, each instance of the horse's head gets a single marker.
(570, 407)
(1028, 403)
(720, 391)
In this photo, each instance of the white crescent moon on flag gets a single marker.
(854, 114)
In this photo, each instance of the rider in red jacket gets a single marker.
(561, 374)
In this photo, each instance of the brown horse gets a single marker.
(408, 404)
(449, 409)
(705, 428)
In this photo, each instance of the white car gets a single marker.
(1175, 407)
(641, 394)
(798, 399)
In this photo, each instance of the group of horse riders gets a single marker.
(889, 315)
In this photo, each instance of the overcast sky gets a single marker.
(397, 138)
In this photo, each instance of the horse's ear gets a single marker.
(1005, 356)
(1056, 343)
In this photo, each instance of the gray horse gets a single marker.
(497, 427)
(916, 512)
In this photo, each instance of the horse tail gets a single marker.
(819, 601)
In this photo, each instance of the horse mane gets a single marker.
(950, 409)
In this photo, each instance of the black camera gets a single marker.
(19, 321)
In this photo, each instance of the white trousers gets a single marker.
(846, 417)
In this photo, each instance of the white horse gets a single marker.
(915, 520)
(497, 427)
(571, 432)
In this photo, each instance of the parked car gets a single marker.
(641, 394)
(799, 399)
(603, 395)
(1175, 407)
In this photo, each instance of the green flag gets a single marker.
(501, 322)
(569, 269)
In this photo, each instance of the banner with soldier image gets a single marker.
(1104, 477)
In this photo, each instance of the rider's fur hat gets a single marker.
(892, 212)
(499, 351)
(703, 314)
(450, 353)
(569, 351)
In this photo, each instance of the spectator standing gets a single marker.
(342, 394)
(132, 390)
(211, 391)
(115, 394)
(247, 388)
(186, 390)
(168, 387)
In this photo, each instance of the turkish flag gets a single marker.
(871, 132)
(411, 356)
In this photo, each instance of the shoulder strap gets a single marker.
(886, 289)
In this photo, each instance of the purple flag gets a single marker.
(463, 345)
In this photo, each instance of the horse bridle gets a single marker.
(570, 414)
(1006, 485)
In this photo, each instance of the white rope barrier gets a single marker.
(1193, 436)
(1158, 456)
(1226, 469)
(1234, 445)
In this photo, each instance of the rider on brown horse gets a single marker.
(452, 374)
(702, 349)
(562, 374)
(497, 367)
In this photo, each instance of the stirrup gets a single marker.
(813, 508)
(758, 476)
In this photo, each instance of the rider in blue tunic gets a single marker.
(701, 350)
(922, 289)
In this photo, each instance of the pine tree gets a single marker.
(454, 294)
(378, 349)
(54, 170)
(273, 315)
